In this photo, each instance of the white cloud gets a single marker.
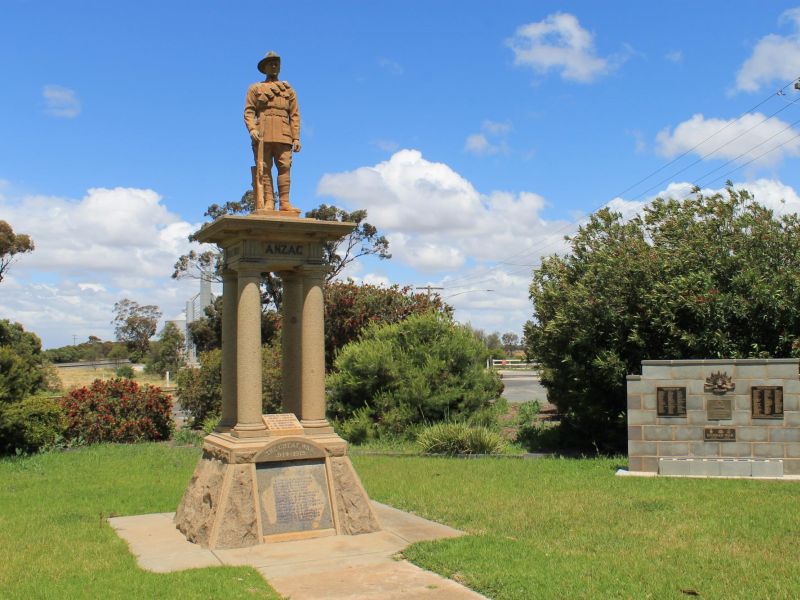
(774, 57)
(112, 243)
(675, 56)
(772, 193)
(492, 140)
(753, 136)
(559, 43)
(437, 221)
(61, 102)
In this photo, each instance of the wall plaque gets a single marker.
(719, 434)
(718, 409)
(767, 401)
(671, 401)
(293, 496)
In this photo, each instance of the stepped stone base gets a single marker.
(251, 491)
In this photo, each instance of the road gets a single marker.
(522, 386)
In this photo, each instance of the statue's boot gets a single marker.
(283, 193)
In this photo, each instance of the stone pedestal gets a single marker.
(265, 478)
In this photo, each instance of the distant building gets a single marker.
(195, 310)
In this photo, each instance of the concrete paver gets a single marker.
(332, 568)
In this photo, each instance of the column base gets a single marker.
(314, 427)
(249, 431)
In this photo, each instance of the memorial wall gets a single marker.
(737, 417)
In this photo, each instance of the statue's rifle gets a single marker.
(257, 173)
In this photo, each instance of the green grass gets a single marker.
(547, 528)
(55, 541)
(557, 528)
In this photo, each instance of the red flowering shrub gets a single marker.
(117, 410)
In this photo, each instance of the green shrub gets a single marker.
(186, 436)
(528, 413)
(538, 436)
(359, 428)
(489, 416)
(200, 390)
(125, 372)
(459, 438)
(34, 423)
(117, 410)
(210, 423)
(424, 369)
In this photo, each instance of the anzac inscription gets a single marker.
(719, 434)
(767, 401)
(293, 496)
(279, 249)
(671, 401)
(719, 409)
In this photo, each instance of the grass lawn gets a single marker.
(544, 528)
(555, 528)
(55, 541)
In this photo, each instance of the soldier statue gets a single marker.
(273, 120)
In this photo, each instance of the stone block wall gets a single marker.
(757, 437)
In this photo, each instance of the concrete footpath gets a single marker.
(331, 568)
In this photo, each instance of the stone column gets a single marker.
(248, 355)
(291, 340)
(312, 349)
(230, 294)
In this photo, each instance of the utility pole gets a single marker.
(74, 340)
(430, 288)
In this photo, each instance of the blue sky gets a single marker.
(475, 137)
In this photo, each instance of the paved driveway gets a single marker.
(522, 386)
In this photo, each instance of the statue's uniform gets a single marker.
(271, 109)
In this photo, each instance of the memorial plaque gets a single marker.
(767, 401)
(285, 423)
(293, 496)
(718, 409)
(719, 434)
(671, 401)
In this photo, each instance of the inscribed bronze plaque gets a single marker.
(767, 401)
(719, 408)
(282, 423)
(293, 496)
(719, 434)
(671, 401)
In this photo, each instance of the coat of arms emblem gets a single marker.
(719, 383)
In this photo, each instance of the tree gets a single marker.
(708, 277)
(22, 363)
(363, 241)
(350, 308)
(170, 352)
(510, 341)
(135, 324)
(11, 245)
